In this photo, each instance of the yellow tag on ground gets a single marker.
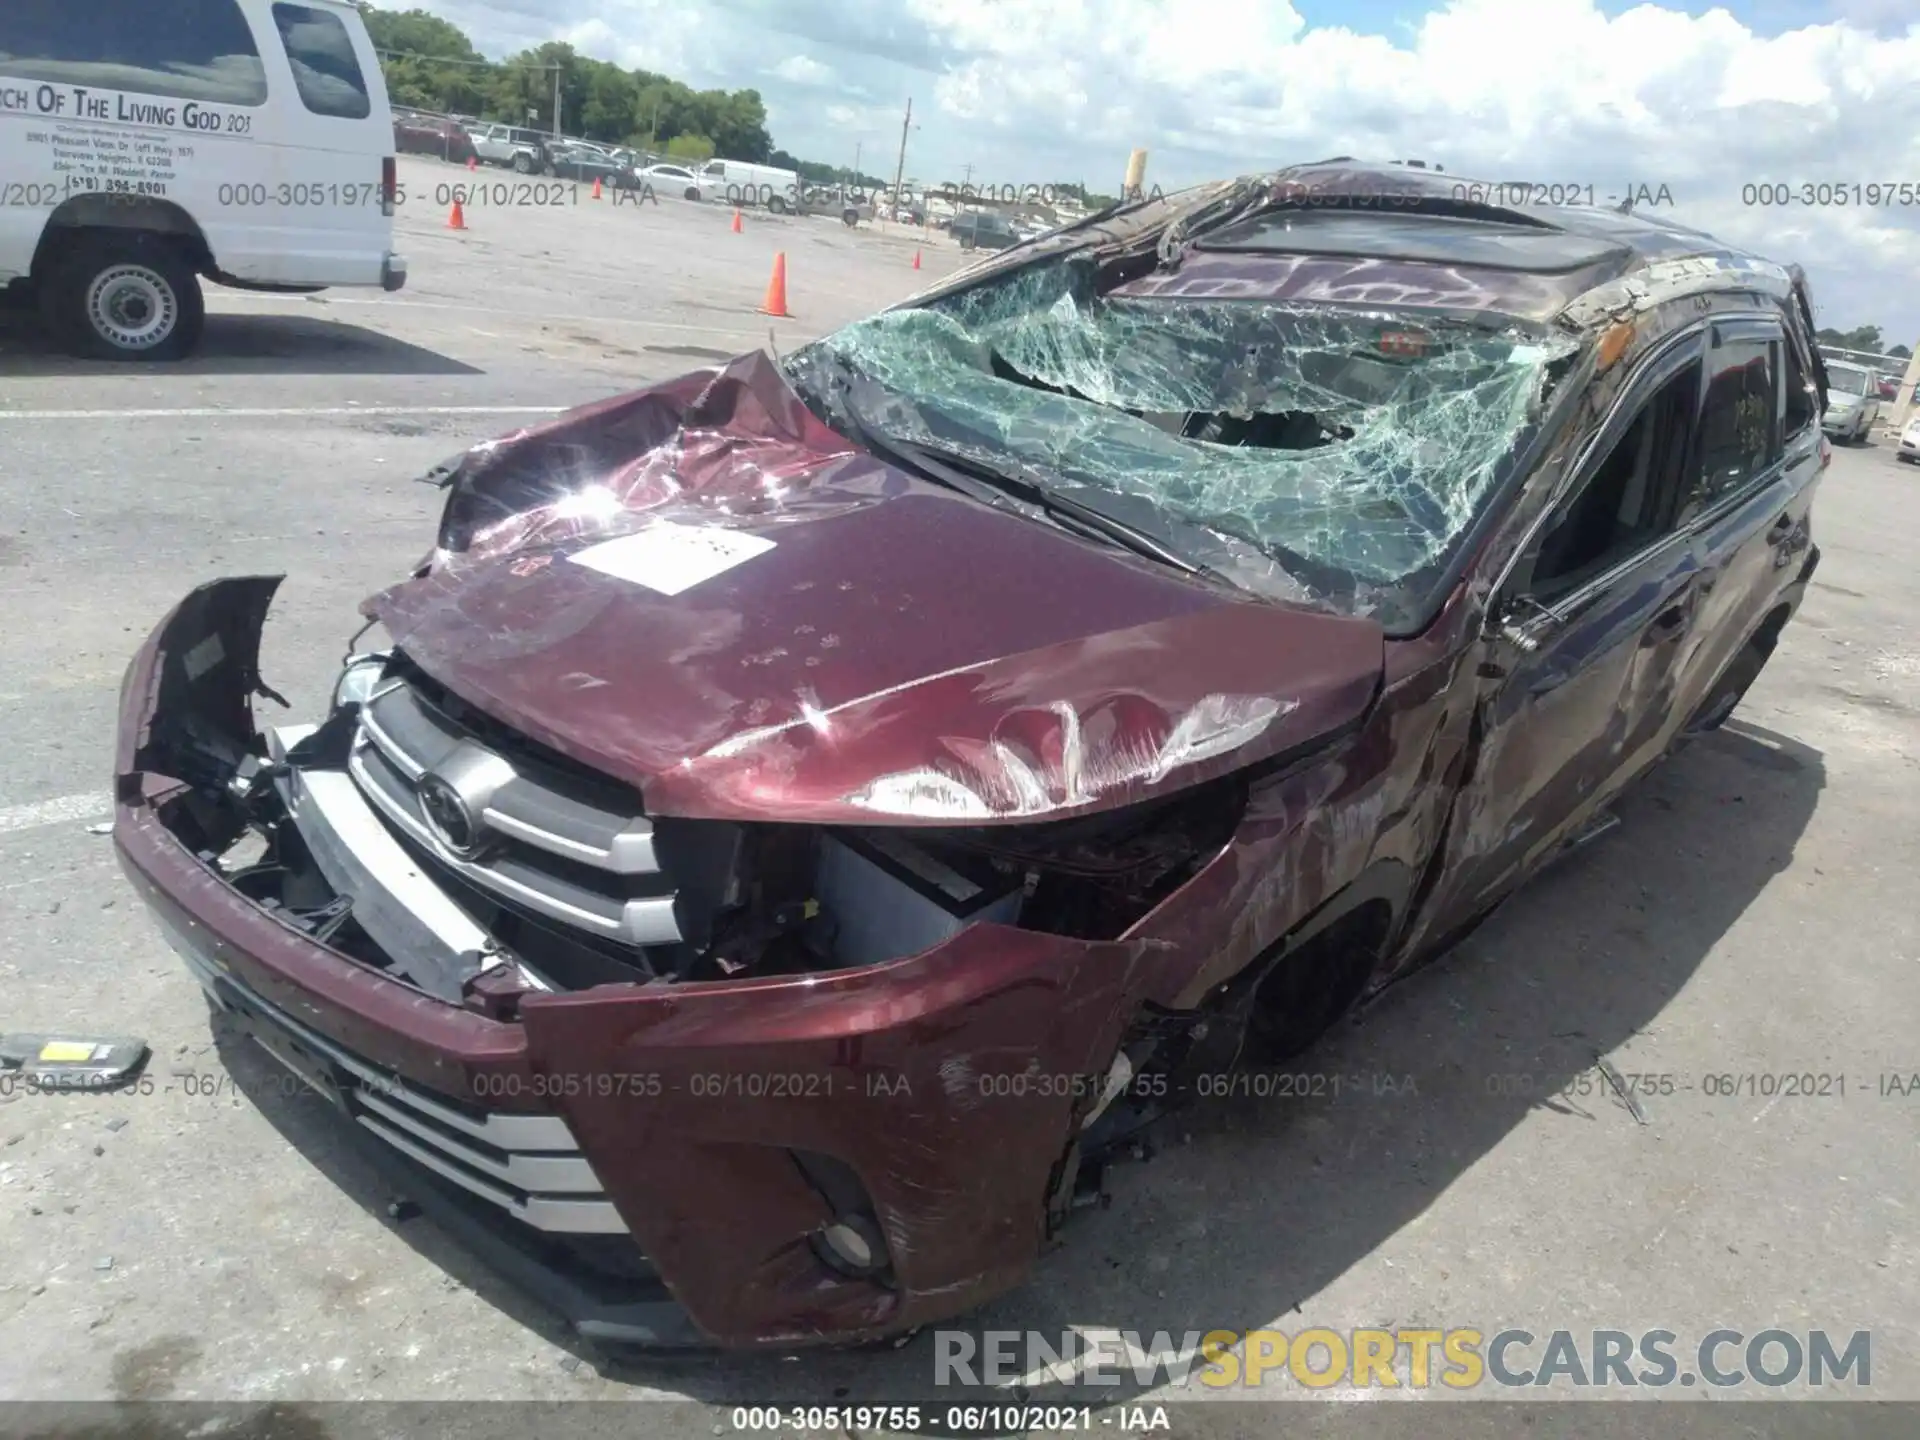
(66, 1050)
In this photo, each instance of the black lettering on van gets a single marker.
(145, 112)
(49, 101)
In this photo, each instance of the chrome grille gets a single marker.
(562, 845)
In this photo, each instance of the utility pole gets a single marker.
(900, 170)
(856, 164)
(556, 102)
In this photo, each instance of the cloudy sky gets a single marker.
(1704, 100)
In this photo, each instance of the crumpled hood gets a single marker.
(703, 591)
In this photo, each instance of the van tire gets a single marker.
(111, 296)
(522, 163)
(777, 204)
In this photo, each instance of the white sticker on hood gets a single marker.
(671, 558)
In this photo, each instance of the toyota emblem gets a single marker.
(448, 814)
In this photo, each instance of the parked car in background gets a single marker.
(1853, 402)
(741, 182)
(1909, 450)
(673, 180)
(1889, 386)
(984, 230)
(588, 163)
(416, 133)
(851, 206)
(521, 150)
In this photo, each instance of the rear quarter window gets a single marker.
(176, 49)
(326, 72)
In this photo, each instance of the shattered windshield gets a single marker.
(1303, 450)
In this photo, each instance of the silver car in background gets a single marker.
(1853, 402)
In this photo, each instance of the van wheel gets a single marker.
(778, 205)
(129, 296)
(522, 164)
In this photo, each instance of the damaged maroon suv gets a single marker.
(807, 813)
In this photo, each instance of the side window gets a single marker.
(1627, 500)
(326, 72)
(175, 49)
(1739, 419)
(1799, 408)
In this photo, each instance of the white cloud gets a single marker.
(803, 70)
(1546, 90)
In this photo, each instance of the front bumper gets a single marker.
(687, 1107)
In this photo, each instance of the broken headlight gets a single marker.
(357, 681)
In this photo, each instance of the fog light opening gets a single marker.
(853, 1246)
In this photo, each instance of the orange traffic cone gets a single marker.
(916, 259)
(457, 220)
(776, 301)
(596, 187)
(736, 222)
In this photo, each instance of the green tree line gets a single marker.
(430, 64)
(1861, 337)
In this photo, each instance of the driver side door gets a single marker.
(1595, 620)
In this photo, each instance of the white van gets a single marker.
(739, 182)
(144, 143)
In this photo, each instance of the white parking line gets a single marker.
(750, 325)
(216, 412)
(66, 809)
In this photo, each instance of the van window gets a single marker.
(326, 72)
(177, 49)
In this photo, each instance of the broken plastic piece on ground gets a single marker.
(71, 1061)
(1620, 1088)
